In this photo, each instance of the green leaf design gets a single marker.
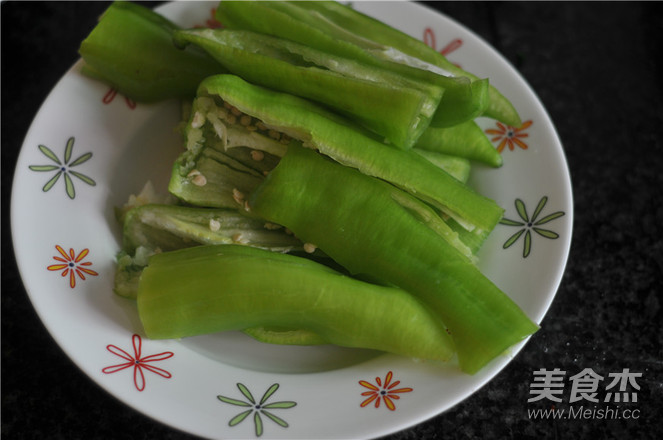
(82, 159)
(550, 217)
(51, 182)
(48, 153)
(44, 167)
(530, 225)
(276, 419)
(68, 149)
(83, 177)
(539, 207)
(546, 233)
(280, 405)
(244, 390)
(527, 247)
(271, 390)
(233, 401)
(61, 170)
(513, 239)
(258, 422)
(69, 186)
(239, 417)
(257, 409)
(522, 211)
(506, 221)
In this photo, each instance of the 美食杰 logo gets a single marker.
(590, 395)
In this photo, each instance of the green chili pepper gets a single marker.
(132, 48)
(334, 137)
(153, 228)
(171, 227)
(458, 167)
(464, 140)
(359, 222)
(391, 105)
(211, 289)
(210, 178)
(339, 29)
(463, 100)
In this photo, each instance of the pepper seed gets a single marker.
(245, 120)
(214, 225)
(309, 248)
(198, 120)
(238, 196)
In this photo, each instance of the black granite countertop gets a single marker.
(596, 66)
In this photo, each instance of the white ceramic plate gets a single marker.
(103, 147)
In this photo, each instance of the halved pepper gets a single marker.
(172, 227)
(338, 28)
(360, 222)
(337, 138)
(131, 47)
(154, 228)
(463, 99)
(391, 105)
(210, 289)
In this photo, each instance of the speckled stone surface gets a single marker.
(596, 66)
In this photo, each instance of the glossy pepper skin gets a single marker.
(463, 140)
(463, 99)
(389, 104)
(358, 221)
(132, 49)
(211, 289)
(337, 138)
(337, 28)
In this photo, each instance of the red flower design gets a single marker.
(387, 391)
(509, 136)
(429, 39)
(71, 264)
(139, 362)
(212, 22)
(112, 93)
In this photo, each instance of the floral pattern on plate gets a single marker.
(63, 167)
(70, 264)
(139, 362)
(258, 408)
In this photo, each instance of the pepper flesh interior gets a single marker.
(220, 114)
(345, 143)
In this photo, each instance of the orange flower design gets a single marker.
(386, 392)
(71, 265)
(509, 136)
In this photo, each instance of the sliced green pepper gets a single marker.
(171, 227)
(391, 105)
(463, 100)
(359, 222)
(154, 228)
(465, 140)
(458, 167)
(211, 179)
(337, 28)
(211, 289)
(334, 137)
(131, 47)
